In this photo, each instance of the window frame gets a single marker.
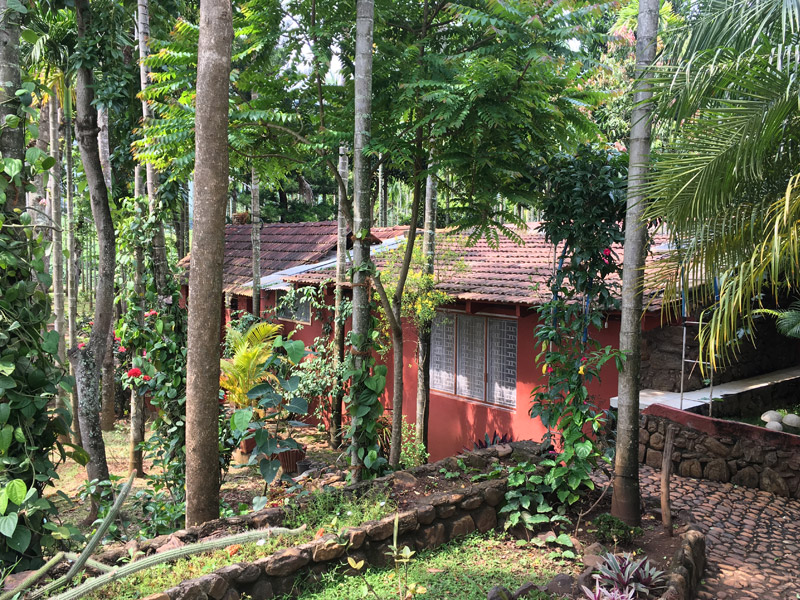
(485, 317)
(282, 293)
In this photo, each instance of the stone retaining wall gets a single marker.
(687, 567)
(435, 520)
(724, 451)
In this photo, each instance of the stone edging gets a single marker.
(724, 451)
(435, 520)
(687, 567)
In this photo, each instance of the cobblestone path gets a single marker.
(752, 537)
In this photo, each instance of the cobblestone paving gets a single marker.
(752, 537)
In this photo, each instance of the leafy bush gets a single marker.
(611, 530)
(626, 574)
(412, 452)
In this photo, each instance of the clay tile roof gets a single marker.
(283, 245)
(507, 274)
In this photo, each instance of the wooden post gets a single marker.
(666, 471)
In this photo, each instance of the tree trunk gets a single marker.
(383, 192)
(160, 267)
(58, 234)
(104, 146)
(283, 204)
(108, 386)
(205, 275)
(186, 227)
(43, 144)
(12, 139)
(87, 362)
(73, 250)
(362, 211)
(255, 239)
(338, 320)
(136, 462)
(626, 499)
(424, 334)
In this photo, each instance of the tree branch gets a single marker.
(387, 305)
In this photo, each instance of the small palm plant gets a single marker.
(245, 369)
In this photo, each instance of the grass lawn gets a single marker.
(462, 570)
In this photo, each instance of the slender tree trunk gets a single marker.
(104, 145)
(205, 276)
(136, 462)
(626, 499)
(58, 232)
(108, 385)
(73, 261)
(338, 320)
(424, 334)
(12, 139)
(383, 192)
(186, 226)
(43, 144)
(160, 267)
(362, 211)
(87, 362)
(255, 240)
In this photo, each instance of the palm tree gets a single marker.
(727, 181)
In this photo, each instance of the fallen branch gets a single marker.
(156, 559)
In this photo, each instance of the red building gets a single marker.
(483, 368)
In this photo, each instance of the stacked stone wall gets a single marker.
(724, 451)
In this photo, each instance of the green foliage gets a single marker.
(279, 401)
(245, 368)
(611, 530)
(530, 500)
(412, 452)
(30, 374)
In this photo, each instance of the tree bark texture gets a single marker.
(255, 239)
(205, 275)
(341, 273)
(58, 233)
(160, 266)
(104, 145)
(43, 144)
(136, 462)
(382, 197)
(107, 387)
(626, 498)
(12, 139)
(74, 259)
(424, 335)
(87, 361)
(362, 211)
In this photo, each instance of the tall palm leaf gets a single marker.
(726, 182)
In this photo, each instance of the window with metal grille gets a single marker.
(300, 311)
(475, 357)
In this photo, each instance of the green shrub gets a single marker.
(611, 530)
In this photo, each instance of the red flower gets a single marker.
(122, 348)
(81, 345)
(144, 352)
(549, 370)
(607, 252)
(135, 372)
(117, 339)
(146, 377)
(91, 322)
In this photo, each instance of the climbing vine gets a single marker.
(30, 375)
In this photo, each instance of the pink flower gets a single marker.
(549, 370)
(122, 349)
(607, 252)
(135, 372)
(91, 322)
(117, 339)
(144, 352)
(81, 345)
(146, 377)
(42, 202)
